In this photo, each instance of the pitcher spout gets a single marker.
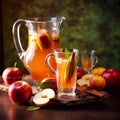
(59, 20)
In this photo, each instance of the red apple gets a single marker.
(80, 73)
(11, 75)
(20, 92)
(97, 82)
(49, 82)
(112, 77)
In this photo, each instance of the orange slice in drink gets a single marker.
(39, 43)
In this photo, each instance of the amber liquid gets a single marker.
(86, 64)
(34, 59)
(65, 84)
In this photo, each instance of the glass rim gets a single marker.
(61, 50)
(44, 19)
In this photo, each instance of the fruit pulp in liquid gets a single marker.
(39, 46)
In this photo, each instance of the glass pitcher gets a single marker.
(43, 38)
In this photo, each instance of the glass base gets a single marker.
(66, 92)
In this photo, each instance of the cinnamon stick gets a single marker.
(95, 93)
(71, 67)
(98, 94)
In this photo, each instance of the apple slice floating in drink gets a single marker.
(44, 41)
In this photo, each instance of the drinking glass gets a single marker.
(66, 66)
(88, 60)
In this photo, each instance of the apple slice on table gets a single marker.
(43, 97)
(39, 100)
(85, 80)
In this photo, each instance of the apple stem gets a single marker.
(15, 64)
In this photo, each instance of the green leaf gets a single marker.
(32, 108)
(47, 84)
(67, 53)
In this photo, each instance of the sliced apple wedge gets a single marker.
(82, 82)
(87, 76)
(43, 97)
(49, 93)
(85, 80)
(39, 100)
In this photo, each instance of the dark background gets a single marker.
(89, 24)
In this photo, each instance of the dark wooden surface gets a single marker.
(106, 110)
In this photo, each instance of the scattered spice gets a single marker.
(84, 89)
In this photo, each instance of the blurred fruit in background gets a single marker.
(85, 79)
(112, 77)
(97, 82)
(80, 73)
(98, 70)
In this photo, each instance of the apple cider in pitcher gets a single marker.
(43, 38)
(38, 47)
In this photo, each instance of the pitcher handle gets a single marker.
(95, 61)
(16, 37)
(47, 59)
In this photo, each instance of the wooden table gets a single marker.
(108, 110)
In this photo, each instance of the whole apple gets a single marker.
(80, 73)
(49, 82)
(20, 92)
(112, 77)
(97, 82)
(11, 75)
